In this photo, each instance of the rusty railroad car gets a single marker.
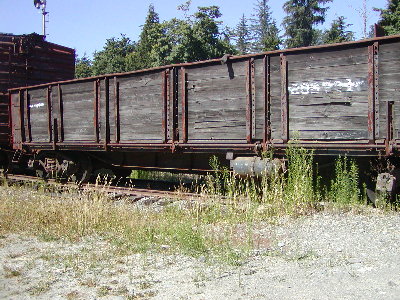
(340, 98)
(27, 60)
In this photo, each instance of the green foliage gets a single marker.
(390, 17)
(264, 29)
(113, 57)
(83, 67)
(242, 36)
(302, 16)
(338, 33)
(299, 188)
(198, 37)
(345, 186)
(153, 45)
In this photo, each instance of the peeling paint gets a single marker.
(326, 86)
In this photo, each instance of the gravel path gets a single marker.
(324, 256)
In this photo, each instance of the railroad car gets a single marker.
(27, 60)
(340, 98)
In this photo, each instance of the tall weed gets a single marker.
(345, 186)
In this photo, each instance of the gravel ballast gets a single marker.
(323, 256)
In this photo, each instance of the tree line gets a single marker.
(202, 35)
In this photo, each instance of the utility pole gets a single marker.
(41, 4)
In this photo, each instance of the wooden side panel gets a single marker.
(16, 120)
(141, 107)
(389, 86)
(78, 109)
(38, 114)
(217, 102)
(328, 95)
(276, 128)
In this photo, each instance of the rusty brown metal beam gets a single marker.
(373, 93)
(284, 99)
(389, 128)
(165, 101)
(175, 101)
(49, 116)
(267, 101)
(248, 102)
(107, 112)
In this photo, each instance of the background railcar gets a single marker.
(29, 60)
(341, 98)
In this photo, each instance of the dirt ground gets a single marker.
(324, 256)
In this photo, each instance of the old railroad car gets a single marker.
(341, 98)
(27, 60)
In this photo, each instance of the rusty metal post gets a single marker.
(284, 99)
(55, 133)
(250, 101)
(49, 116)
(267, 101)
(389, 128)
(373, 90)
(107, 113)
(175, 100)
(165, 101)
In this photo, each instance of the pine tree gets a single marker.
(390, 17)
(242, 36)
(338, 33)
(302, 16)
(153, 45)
(265, 32)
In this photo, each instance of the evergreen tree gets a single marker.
(153, 45)
(338, 33)
(112, 58)
(242, 36)
(83, 67)
(390, 17)
(265, 32)
(302, 16)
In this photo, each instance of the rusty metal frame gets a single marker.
(21, 114)
(267, 101)
(371, 96)
(165, 102)
(175, 101)
(184, 106)
(49, 114)
(284, 99)
(389, 141)
(107, 112)
(250, 101)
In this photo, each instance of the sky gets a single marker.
(85, 25)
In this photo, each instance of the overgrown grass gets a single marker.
(222, 226)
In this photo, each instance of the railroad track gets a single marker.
(135, 193)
